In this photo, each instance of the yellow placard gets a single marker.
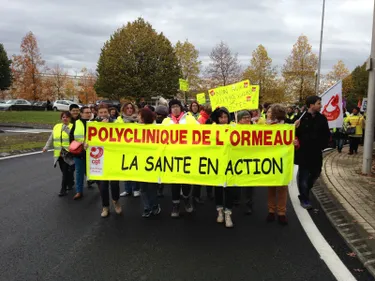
(201, 98)
(184, 85)
(236, 96)
(216, 155)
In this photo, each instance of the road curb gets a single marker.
(353, 234)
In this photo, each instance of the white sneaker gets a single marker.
(136, 193)
(117, 206)
(105, 212)
(220, 215)
(124, 194)
(228, 219)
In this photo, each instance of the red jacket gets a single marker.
(203, 117)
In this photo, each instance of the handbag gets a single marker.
(76, 147)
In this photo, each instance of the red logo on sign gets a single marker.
(248, 98)
(246, 84)
(212, 92)
(335, 113)
(254, 89)
(96, 152)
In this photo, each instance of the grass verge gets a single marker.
(30, 117)
(10, 143)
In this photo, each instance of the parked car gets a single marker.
(110, 103)
(19, 104)
(41, 105)
(63, 105)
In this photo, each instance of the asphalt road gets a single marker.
(44, 237)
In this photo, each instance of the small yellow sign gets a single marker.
(184, 85)
(201, 98)
(236, 96)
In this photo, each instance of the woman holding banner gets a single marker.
(276, 114)
(178, 116)
(149, 191)
(223, 196)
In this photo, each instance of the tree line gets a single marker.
(138, 62)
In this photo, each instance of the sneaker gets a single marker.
(188, 206)
(220, 215)
(306, 204)
(282, 220)
(105, 212)
(62, 193)
(270, 217)
(117, 206)
(136, 193)
(228, 219)
(175, 210)
(146, 214)
(157, 210)
(125, 194)
(198, 200)
(69, 188)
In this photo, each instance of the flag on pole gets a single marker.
(359, 103)
(332, 106)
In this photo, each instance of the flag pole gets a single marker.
(320, 51)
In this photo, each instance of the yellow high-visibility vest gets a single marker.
(60, 139)
(79, 131)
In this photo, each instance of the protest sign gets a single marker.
(332, 105)
(217, 155)
(201, 98)
(236, 96)
(184, 85)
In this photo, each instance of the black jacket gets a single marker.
(313, 135)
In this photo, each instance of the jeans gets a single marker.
(67, 174)
(149, 195)
(131, 186)
(354, 143)
(306, 178)
(339, 144)
(176, 192)
(104, 191)
(224, 197)
(80, 166)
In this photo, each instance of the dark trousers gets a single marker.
(249, 196)
(354, 143)
(67, 174)
(149, 195)
(306, 177)
(197, 191)
(104, 191)
(176, 192)
(224, 197)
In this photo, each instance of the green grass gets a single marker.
(30, 117)
(9, 143)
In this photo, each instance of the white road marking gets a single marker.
(327, 254)
(32, 131)
(24, 154)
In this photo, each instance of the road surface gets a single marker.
(44, 237)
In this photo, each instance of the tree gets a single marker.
(339, 72)
(70, 89)
(26, 69)
(360, 83)
(5, 71)
(59, 78)
(187, 57)
(224, 68)
(299, 70)
(260, 72)
(137, 62)
(87, 92)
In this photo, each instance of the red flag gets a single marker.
(359, 103)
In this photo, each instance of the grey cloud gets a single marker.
(72, 33)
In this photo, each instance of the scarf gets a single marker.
(176, 120)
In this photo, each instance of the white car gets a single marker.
(63, 105)
(13, 104)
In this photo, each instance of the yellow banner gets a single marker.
(184, 85)
(236, 96)
(217, 155)
(201, 98)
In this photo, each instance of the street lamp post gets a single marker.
(370, 121)
(317, 84)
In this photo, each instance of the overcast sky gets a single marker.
(71, 33)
